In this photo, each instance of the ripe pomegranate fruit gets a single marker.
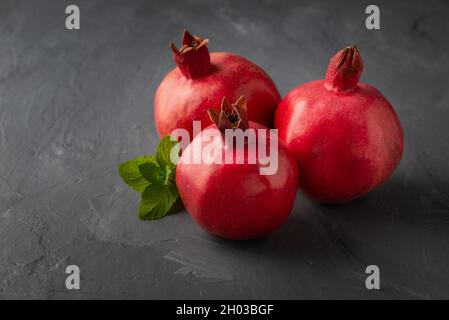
(201, 80)
(344, 134)
(233, 200)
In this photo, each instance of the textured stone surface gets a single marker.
(74, 104)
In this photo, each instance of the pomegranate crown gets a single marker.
(192, 59)
(345, 69)
(230, 116)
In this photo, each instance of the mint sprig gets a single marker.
(154, 178)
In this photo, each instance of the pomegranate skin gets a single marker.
(180, 100)
(234, 201)
(345, 136)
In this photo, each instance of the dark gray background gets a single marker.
(74, 104)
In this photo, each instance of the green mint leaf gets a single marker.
(169, 175)
(163, 153)
(130, 173)
(157, 200)
(154, 178)
(150, 198)
(152, 172)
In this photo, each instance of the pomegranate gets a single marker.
(233, 199)
(345, 135)
(201, 80)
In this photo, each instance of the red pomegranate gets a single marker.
(201, 80)
(233, 200)
(345, 135)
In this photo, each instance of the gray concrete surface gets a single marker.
(74, 104)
